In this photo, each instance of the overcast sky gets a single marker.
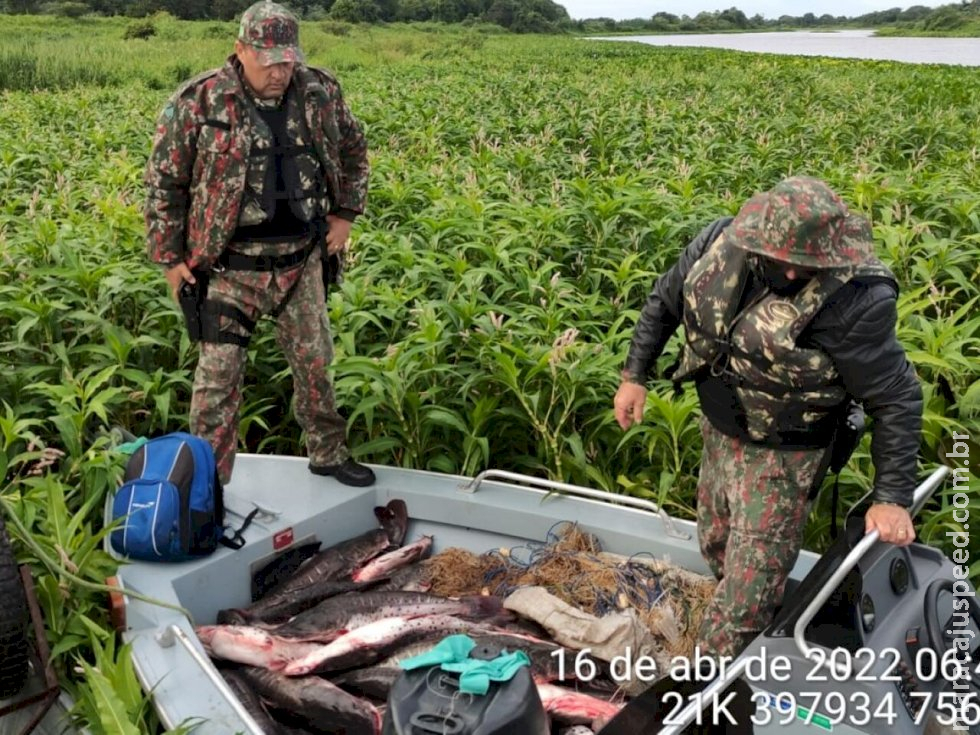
(620, 9)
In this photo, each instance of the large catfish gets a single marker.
(374, 682)
(325, 706)
(338, 615)
(252, 646)
(382, 566)
(253, 704)
(328, 572)
(412, 578)
(281, 568)
(372, 642)
(576, 708)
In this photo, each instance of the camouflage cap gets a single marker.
(804, 222)
(272, 31)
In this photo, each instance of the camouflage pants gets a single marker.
(302, 333)
(751, 512)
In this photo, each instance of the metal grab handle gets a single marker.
(927, 488)
(174, 632)
(922, 493)
(538, 483)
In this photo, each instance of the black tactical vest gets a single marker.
(284, 178)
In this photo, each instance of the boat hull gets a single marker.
(298, 507)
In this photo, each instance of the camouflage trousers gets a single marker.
(751, 512)
(302, 333)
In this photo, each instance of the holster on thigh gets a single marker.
(202, 315)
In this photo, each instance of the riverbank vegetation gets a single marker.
(959, 19)
(526, 193)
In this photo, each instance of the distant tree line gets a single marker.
(523, 16)
(946, 17)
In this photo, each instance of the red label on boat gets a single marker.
(282, 539)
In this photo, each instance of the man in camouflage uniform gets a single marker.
(787, 316)
(251, 163)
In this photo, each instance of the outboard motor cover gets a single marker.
(427, 701)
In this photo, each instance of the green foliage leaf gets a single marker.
(110, 707)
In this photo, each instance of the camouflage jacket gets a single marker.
(196, 174)
(855, 329)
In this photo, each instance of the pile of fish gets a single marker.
(321, 647)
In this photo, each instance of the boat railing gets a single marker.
(538, 483)
(922, 493)
(173, 633)
(734, 670)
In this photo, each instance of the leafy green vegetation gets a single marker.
(526, 192)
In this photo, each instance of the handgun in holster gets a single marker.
(331, 271)
(191, 297)
(331, 264)
(848, 431)
(848, 435)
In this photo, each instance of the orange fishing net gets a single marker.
(571, 565)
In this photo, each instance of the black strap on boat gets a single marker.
(237, 540)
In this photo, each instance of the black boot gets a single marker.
(347, 472)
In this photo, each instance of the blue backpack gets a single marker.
(171, 502)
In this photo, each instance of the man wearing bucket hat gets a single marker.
(257, 171)
(788, 316)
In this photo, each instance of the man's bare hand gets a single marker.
(630, 400)
(176, 277)
(338, 234)
(893, 523)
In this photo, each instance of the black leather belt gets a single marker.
(230, 260)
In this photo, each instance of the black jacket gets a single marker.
(856, 328)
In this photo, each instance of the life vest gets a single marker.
(781, 386)
(288, 139)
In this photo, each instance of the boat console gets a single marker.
(891, 648)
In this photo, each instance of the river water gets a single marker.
(849, 44)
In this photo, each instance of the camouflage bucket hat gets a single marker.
(802, 221)
(272, 31)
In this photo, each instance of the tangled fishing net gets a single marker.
(571, 565)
